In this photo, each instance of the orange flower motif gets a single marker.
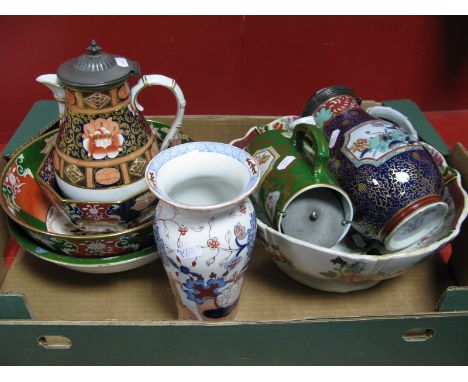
(213, 243)
(102, 138)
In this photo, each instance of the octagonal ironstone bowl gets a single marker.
(24, 202)
(100, 216)
(347, 267)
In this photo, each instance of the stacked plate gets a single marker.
(43, 228)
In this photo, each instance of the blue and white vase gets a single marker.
(205, 225)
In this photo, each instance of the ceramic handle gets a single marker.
(169, 83)
(392, 115)
(54, 85)
(312, 132)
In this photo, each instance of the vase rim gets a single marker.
(232, 152)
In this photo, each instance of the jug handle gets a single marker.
(160, 80)
(394, 116)
(317, 137)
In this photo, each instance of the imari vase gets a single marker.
(393, 182)
(105, 143)
(205, 225)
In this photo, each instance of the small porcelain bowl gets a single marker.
(353, 264)
(24, 202)
(102, 216)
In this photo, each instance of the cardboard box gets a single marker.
(54, 316)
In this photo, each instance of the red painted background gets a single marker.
(246, 65)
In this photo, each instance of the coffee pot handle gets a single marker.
(321, 152)
(160, 80)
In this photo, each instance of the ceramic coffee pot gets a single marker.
(104, 143)
(393, 182)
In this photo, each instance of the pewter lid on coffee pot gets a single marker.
(96, 69)
(323, 95)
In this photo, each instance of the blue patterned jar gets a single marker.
(393, 182)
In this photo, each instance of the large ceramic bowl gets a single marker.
(101, 216)
(352, 264)
(111, 264)
(25, 203)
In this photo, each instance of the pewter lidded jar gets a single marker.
(104, 143)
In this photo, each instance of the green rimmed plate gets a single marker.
(112, 264)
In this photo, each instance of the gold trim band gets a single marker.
(78, 110)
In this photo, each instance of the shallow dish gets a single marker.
(347, 267)
(25, 203)
(87, 265)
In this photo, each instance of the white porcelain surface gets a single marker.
(53, 83)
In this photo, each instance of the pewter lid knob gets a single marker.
(94, 48)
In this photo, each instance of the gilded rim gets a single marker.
(57, 235)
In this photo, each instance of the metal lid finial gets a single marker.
(93, 48)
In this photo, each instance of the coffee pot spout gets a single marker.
(53, 83)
